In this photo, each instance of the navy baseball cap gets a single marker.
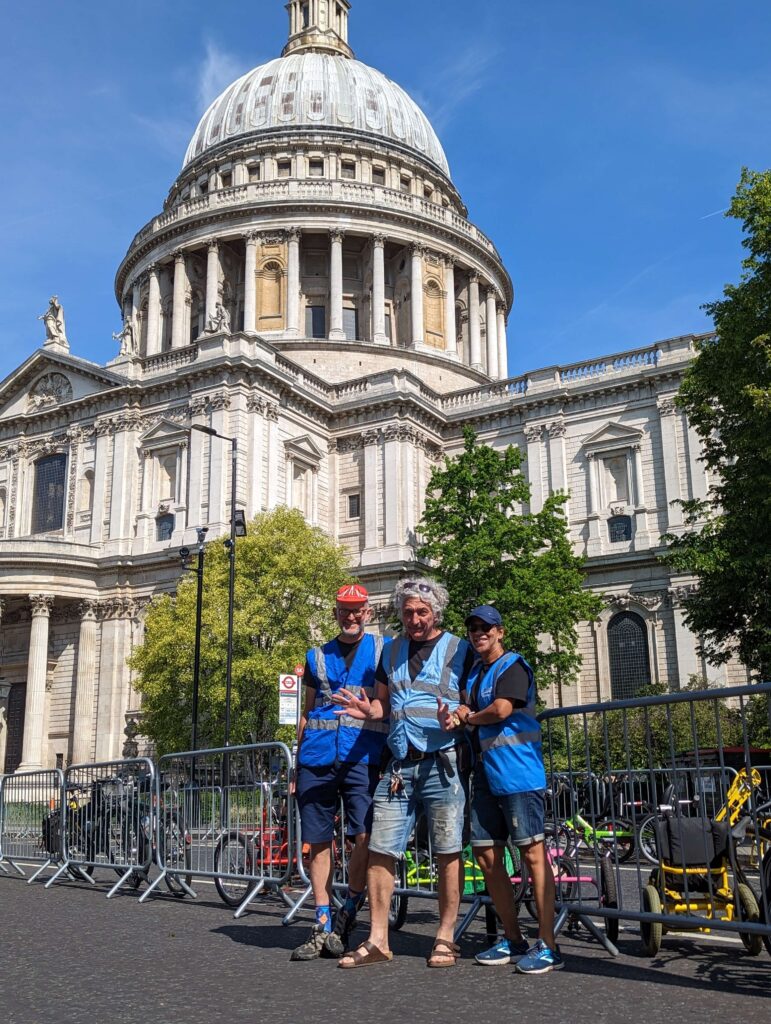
(487, 614)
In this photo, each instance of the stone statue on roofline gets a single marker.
(127, 338)
(219, 321)
(53, 319)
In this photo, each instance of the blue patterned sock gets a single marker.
(324, 917)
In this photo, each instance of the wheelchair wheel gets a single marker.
(748, 907)
(651, 931)
(646, 839)
(609, 896)
(397, 910)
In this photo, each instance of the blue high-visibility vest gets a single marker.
(414, 711)
(329, 738)
(511, 750)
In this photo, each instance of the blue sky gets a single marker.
(597, 143)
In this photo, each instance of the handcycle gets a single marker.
(692, 877)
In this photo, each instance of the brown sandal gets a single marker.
(374, 955)
(443, 953)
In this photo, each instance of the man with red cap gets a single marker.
(338, 757)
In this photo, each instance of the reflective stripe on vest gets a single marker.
(511, 750)
(414, 711)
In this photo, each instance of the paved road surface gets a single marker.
(70, 956)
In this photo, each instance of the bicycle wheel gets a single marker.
(177, 855)
(397, 910)
(560, 839)
(517, 872)
(621, 839)
(646, 839)
(609, 896)
(233, 857)
(565, 871)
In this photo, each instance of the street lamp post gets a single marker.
(230, 544)
(184, 553)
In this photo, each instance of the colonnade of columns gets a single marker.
(482, 296)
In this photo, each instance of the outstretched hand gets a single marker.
(356, 707)
(447, 719)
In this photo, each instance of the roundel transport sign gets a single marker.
(288, 699)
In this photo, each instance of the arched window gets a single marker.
(48, 502)
(434, 315)
(270, 305)
(628, 655)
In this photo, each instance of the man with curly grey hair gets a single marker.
(423, 669)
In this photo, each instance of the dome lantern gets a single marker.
(318, 26)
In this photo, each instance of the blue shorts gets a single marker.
(494, 819)
(320, 790)
(426, 786)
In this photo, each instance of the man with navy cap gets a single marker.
(507, 788)
(338, 758)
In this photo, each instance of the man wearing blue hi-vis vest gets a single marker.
(508, 789)
(338, 758)
(423, 667)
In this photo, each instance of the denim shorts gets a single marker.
(427, 787)
(319, 791)
(494, 819)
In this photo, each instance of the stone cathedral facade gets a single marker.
(314, 288)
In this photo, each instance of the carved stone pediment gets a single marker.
(303, 448)
(611, 437)
(164, 434)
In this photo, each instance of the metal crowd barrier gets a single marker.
(234, 807)
(673, 748)
(30, 820)
(107, 820)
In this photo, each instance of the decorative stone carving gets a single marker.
(41, 604)
(667, 407)
(533, 434)
(219, 401)
(219, 321)
(271, 411)
(617, 510)
(336, 235)
(50, 390)
(679, 595)
(650, 600)
(370, 437)
(255, 403)
(88, 608)
(117, 608)
(131, 747)
(557, 429)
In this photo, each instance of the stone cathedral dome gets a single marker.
(326, 91)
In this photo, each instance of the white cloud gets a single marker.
(218, 71)
(456, 81)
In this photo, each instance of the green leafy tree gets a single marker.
(727, 396)
(487, 551)
(287, 574)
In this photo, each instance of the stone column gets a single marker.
(594, 543)
(371, 553)
(492, 335)
(250, 283)
(3, 709)
(450, 327)
(671, 461)
(212, 281)
(378, 290)
(220, 455)
(392, 477)
(688, 661)
(154, 312)
(124, 472)
(293, 283)
(336, 332)
(37, 668)
(474, 331)
(255, 502)
(82, 736)
(533, 436)
(557, 469)
(112, 701)
(503, 351)
(178, 309)
(136, 300)
(272, 454)
(416, 296)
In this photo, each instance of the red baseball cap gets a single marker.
(354, 593)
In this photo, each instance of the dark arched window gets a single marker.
(630, 667)
(48, 502)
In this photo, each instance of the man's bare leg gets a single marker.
(449, 865)
(357, 863)
(380, 887)
(491, 861)
(320, 873)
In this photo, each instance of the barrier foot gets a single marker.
(185, 887)
(153, 885)
(39, 871)
(296, 907)
(3, 868)
(467, 921)
(252, 895)
(16, 868)
(590, 926)
(120, 882)
(57, 874)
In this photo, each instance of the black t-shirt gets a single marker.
(347, 652)
(418, 654)
(512, 684)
